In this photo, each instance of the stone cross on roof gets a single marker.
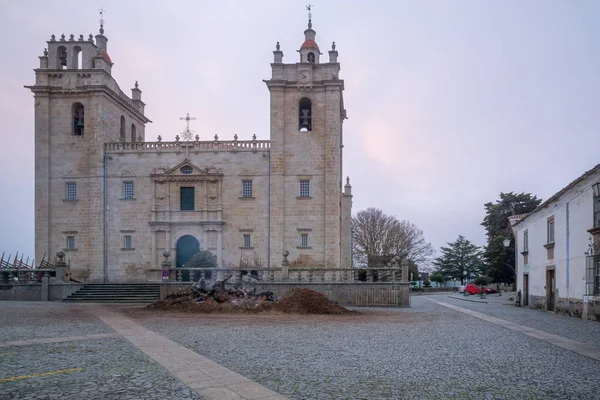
(187, 134)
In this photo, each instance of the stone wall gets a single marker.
(341, 292)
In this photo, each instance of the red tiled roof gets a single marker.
(106, 57)
(309, 44)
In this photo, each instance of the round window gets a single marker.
(186, 169)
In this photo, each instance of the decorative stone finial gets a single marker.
(71, 37)
(91, 38)
(333, 46)
(81, 37)
(197, 138)
(254, 137)
(62, 37)
(235, 137)
(60, 256)
(216, 137)
(52, 38)
(136, 84)
(166, 262)
(45, 52)
(347, 180)
(277, 47)
(177, 138)
(101, 11)
(159, 138)
(285, 261)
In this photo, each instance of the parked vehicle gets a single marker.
(488, 290)
(461, 289)
(471, 289)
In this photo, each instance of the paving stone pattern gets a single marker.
(20, 320)
(111, 368)
(451, 356)
(562, 325)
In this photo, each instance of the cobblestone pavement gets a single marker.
(107, 368)
(562, 325)
(20, 320)
(425, 352)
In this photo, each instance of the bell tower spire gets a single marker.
(309, 51)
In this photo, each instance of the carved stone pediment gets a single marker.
(186, 171)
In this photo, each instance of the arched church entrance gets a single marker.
(187, 246)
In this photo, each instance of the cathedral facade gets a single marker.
(113, 201)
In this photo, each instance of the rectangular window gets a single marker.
(127, 242)
(526, 241)
(304, 240)
(304, 188)
(128, 190)
(71, 191)
(246, 188)
(551, 230)
(187, 198)
(246, 240)
(70, 242)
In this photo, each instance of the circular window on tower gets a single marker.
(186, 169)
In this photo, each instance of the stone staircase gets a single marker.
(116, 293)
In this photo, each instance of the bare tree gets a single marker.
(378, 237)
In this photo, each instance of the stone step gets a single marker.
(124, 300)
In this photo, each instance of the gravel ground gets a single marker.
(424, 352)
(570, 327)
(110, 369)
(21, 320)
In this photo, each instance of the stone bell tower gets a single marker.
(307, 111)
(78, 107)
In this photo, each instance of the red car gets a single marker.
(471, 289)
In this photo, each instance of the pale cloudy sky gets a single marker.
(449, 102)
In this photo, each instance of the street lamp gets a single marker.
(506, 242)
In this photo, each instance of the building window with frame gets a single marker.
(71, 191)
(186, 201)
(304, 240)
(128, 190)
(550, 230)
(127, 242)
(70, 242)
(304, 188)
(247, 188)
(246, 240)
(526, 241)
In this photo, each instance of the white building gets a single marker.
(557, 257)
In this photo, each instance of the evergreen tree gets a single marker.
(458, 257)
(499, 260)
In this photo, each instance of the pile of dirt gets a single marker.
(200, 299)
(306, 301)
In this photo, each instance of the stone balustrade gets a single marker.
(187, 146)
(8, 275)
(275, 275)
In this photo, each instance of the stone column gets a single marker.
(285, 266)
(405, 265)
(45, 287)
(168, 245)
(154, 261)
(205, 240)
(220, 248)
(61, 267)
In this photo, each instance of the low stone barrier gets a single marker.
(368, 294)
